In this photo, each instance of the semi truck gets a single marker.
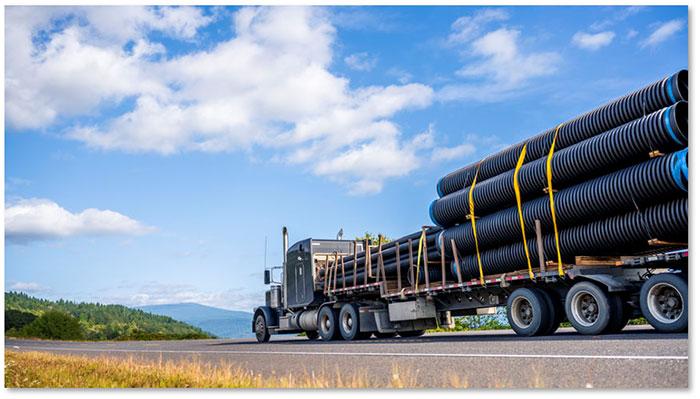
(597, 295)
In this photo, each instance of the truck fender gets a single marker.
(270, 316)
(612, 283)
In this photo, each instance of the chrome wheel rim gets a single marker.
(260, 327)
(586, 308)
(521, 312)
(347, 322)
(665, 303)
(325, 323)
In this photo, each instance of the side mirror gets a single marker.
(267, 277)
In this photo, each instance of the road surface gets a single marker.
(636, 358)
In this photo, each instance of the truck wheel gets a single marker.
(349, 322)
(312, 335)
(385, 335)
(262, 334)
(588, 308)
(664, 302)
(328, 323)
(555, 309)
(619, 314)
(410, 334)
(527, 312)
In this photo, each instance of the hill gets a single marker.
(97, 321)
(221, 322)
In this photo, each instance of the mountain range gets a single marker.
(222, 323)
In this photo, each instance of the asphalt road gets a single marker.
(636, 358)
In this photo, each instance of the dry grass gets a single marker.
(46, 370)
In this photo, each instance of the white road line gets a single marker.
(367, 354)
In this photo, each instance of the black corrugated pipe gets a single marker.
(665, 130)
(389, 249)
(653, 97)
(619, 235)
(656, 180)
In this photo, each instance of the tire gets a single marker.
(527, 312)
(327, 323)
(262, 334)
(385, 335)
(349, 322)
(312, 335)
(620, 314)
(664, 302)
(555, 309)
(411, 334)
(588, 308)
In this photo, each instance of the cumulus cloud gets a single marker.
(592, 41)
(361, 61)
(34, 219)
(496, 64)
(663, 32)
(269, 87)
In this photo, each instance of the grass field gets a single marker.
(45, 370)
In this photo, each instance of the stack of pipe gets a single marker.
(620, 176)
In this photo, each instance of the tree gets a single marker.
(373, 239)
(17, 319)
(54, 324)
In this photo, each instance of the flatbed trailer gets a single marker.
(595, 294)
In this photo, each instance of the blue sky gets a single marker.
(150, 151)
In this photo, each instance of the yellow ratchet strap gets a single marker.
(420, 249)
(473, 218)
(550, 190)
(516, 187)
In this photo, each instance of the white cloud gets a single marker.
(41, 219)
(268, 87)
(467, 28)
(498, 67)
(592, 41)
(361, 61)
(445, 154)
(663, 32)
(28, 287)
(631, 34)
(616, 15)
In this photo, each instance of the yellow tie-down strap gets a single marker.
(516, 187)
(473, 218)
(550, 191)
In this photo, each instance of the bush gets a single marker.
(17, 319)
(54, 324)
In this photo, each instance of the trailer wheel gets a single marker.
(312, 335)
(381, 335)
(262, 334)
(411, 334)
(664, 302)
(527, 312)
(555, 309)
(588, 308)
(327, 323)
(620, 314)
(349, 322)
